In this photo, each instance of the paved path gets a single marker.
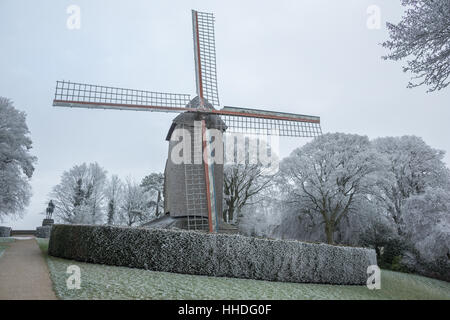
(24, 273)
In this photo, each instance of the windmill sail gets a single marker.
(244, 120)
(205, 56)
(81, 95)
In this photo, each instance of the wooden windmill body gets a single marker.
(193, 191)
(185, 184)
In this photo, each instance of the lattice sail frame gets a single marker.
(261, 126)
(205, 56)
(260, 122)
(72, 94)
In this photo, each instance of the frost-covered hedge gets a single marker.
(212, 254)
(5, 231)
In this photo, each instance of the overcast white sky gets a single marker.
(312, 56)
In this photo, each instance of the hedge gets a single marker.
(5, 231)
(220, 255)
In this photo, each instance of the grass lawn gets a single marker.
(108, 282)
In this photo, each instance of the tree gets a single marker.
(134, 206)
(241, 183)
(380, 234)
(154, 185)
(330, 177)
(414, 166)
(16, 162)
(423, 37)
(246, 175)
(427, 227)
(96, 192)
(79, 197)
(263, 213)
(113, 194)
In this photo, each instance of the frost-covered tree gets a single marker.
(113, 197)
(154, 185)
(293, 224)
(262, 215)
(242, 182)
(16, 162)
(246, 175)
(422, 37)
(96, 196)
(427, 227)
(381, 234)
(79, 197)
(134, 207)
(414, 166)
(331, 177)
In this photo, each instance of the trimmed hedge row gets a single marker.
(5, 231)
(221, 255)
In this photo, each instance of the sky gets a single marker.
(315, 57)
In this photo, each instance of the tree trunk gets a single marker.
(378, 252)
(157, 204)
(329, 231)
(397, 219)
(228, 214)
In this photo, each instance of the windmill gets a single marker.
(193, 191)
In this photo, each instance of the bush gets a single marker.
(388, 245)
(393, 251)
(219, 255)
(438, 268)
